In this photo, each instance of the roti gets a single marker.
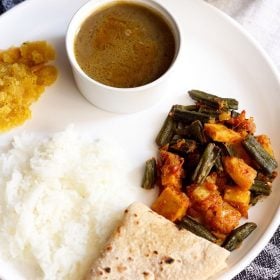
(148, 246)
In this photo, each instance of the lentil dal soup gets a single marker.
(125, 45)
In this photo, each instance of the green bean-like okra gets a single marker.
(238, 235)
(183, 147)
(196, 228)
(188, 117)
(255, 198)
(183, 131)
(149, 174)
(166, 132)
(260, 187)
(197, 132)
(213, 100)
(206, 163)
(209, 111)
(184, 107)
(230, 150)
(259, 154)
(258, 190)
(218, 163)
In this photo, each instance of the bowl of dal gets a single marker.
(122, 53)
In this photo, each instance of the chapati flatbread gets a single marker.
(148, 246)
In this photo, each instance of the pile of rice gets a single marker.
(60, 199)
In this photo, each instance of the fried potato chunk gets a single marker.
(221, 133)
(23, 78)
(241, 173)
(171, 204)
(238, 198)
(222, 218)
(170, 167)
(217, 214)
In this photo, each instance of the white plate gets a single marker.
(219, 57)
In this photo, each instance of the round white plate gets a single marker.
(218, 57)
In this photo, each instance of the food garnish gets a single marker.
(24, 74)
(212, 168)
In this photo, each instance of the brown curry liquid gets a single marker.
(125, 45)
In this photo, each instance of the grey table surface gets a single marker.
(251, 14)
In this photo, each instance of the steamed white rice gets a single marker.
(60, 198)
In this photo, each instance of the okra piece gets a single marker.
(235, 238)
(186, 116)
(183, 147)
(230, 150)
(206, 163)
(219, 164)
(196, 130)
(234, 114)
(212, 112)
(184, 107)
(259, 154)
(149, 174)
(255, 198)
(213, 100)
(183, 131)
(267, 177)
(196, 228)
(166, 132)
(175, 139)
(260, 187)
(231, 103)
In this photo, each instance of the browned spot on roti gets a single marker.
(121, 268)
(109, 248)
(107, 269)
(145, 273)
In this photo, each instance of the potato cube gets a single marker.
(217, 214)
(171, 170)
(200, 193)
(222, 218)
(203, 196)
(221, 133)
(241, 173)
(171, 204)
(238, 198)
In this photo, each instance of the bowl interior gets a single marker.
(92, 6)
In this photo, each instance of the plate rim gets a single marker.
(271, 229)
(274, 224)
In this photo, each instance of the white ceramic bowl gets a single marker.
(119, 100)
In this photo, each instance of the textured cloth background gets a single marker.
(262, 19)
